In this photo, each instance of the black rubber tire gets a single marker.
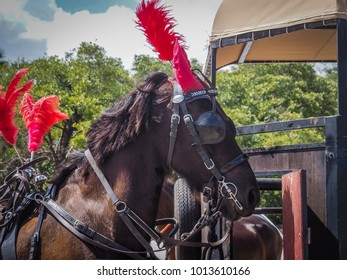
(187, 212)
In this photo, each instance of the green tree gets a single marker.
(86, 81)
(331, 72)
(145, 64)
(276, 92)
(2, 56)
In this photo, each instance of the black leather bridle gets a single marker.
(225, 189)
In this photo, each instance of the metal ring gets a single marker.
(38, 197)
(120, 206)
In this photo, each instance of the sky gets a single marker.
(31, 29)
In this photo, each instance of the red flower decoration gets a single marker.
(8, 102)
(39, 117)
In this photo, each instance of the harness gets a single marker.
(225, 189)
(213, 197)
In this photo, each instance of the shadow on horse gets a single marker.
(103, 205)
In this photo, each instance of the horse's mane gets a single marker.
(119, 124)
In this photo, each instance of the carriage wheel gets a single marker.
(187, 213)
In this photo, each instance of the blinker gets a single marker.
(210, 127)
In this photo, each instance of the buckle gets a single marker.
(207, 191)
(188, 118)
(83, 228)
(207, 194)
(209, 164)
(80, 226)
(175, 117)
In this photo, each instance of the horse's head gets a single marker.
(205, 152)
(206, 143)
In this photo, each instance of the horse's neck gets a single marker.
(136, 175)
(137, 178)
(138, 184)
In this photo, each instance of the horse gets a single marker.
(254, 237)
(105, 201)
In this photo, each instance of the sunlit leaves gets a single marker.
(277, 92)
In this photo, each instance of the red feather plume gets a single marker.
(183, 72)
(8, 102)
(157, 25)
(39, 117)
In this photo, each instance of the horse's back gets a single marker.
(256, 237)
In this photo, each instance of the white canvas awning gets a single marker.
(275, 31)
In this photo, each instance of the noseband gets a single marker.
(226, 190)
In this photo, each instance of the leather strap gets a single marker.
(171, 242)
(235, 162)
(87, 234)
(175, 120)
(35, 238)
(101, 177)
(8, 246)
(209, 164)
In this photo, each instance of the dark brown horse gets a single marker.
(129, 143)
(256, 238)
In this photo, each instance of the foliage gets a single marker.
(2, 55)
(86, 81)
(276, 92)
(143, 65)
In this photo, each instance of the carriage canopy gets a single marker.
(263, 31)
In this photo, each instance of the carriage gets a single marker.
(313, 181)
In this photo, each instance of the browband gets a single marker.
(195, 94)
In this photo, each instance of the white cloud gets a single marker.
(195, 20)
(115, 30)
(10, 7)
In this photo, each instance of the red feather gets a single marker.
(157, 25)
(39, 117)
(8, 102)
(183, 73)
